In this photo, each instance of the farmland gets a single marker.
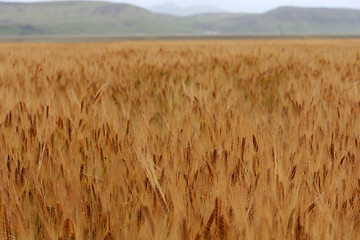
(248, 139)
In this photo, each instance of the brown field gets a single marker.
(180, 140)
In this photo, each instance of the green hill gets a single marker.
(115, 19)
(85, 18)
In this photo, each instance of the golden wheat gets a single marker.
(180, 140)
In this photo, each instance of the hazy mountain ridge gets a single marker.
(173, 9)
(116, 19)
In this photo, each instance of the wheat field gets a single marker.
(250, 139)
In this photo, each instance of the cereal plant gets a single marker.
(248, 139)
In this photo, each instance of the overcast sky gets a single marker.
(243, 5)
(254, 5)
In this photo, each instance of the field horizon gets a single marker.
(166, 38)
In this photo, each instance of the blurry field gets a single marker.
(180, 140)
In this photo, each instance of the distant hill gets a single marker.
(173, 9)
(115, 19)
(86, 18)
(292, 21)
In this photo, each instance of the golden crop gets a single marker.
(180, 140)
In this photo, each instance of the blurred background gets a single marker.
(175, 18)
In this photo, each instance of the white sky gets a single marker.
(242, 5)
